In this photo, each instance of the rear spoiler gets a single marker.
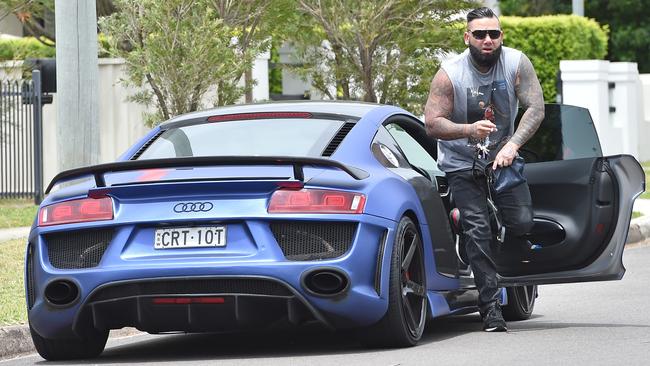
(298, 163)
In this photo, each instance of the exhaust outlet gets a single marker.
(325, 282)
(61, 292)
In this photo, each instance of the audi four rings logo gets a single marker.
(193, 207)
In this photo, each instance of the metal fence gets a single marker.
(21, 140)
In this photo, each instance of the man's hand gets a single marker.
(481, 129)
(506, 155)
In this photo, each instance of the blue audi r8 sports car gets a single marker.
(274, 215)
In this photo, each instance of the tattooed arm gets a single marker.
(438, 110)
(531, 98)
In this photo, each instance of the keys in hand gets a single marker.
(482, 150)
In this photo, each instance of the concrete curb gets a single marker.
(15, 340)
(639, 230)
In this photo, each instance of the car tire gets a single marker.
(90, 346)
(521, 302)
(404, 322)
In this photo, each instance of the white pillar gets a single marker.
(77, 83)
(644, 124)
(578, 7)
(261, 77)
(624, 94)
(292, 84)
(585, 84)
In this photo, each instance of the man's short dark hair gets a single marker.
(481, 13)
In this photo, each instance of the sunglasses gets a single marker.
(481, 34)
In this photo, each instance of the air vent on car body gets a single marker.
(30, 276)
(336, 140)
(307, 241)
(146, 145)
(77, 249)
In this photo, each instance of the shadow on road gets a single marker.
(303, 342)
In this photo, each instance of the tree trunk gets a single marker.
(248, 80)
(368, 82)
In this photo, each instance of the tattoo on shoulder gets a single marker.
(441, 95)
(439, 108)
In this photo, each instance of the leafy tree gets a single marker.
(528, 8)
(629, 29)
(179, 50)
(383, 51)
(254, 23)
(37, 16)
(31, 14)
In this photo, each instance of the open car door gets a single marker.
(582, 202)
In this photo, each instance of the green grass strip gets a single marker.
(12, 291)
(17, 213)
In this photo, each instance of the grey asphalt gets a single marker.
(15, 340)
(596, 323)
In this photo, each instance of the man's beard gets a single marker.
(485, 60)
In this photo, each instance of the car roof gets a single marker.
(344, 108)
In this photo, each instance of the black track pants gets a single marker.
(469, 192)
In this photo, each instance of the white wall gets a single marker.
(612, 93)
(11, 25)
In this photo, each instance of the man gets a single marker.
(471, 110)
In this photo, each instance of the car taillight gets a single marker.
(316, 201)
(81, 210)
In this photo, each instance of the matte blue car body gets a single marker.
(251, 250)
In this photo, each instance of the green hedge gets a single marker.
(548, 39)
(22, 48)
(30, 47)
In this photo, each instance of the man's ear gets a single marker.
(466, 38)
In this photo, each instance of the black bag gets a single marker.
(505, 178)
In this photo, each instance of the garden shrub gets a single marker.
(22, 48)
(548, 39)
(30, 47)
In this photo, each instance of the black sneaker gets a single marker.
(493, 319)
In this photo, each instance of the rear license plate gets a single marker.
(190, 237)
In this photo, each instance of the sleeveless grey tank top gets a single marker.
(473, 93)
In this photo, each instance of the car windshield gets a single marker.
(260, 137)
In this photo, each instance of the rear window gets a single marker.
(566, 133)
(260, 137)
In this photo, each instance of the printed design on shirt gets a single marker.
(493, 99)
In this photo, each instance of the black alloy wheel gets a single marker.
(404, 322)
(521, 302)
